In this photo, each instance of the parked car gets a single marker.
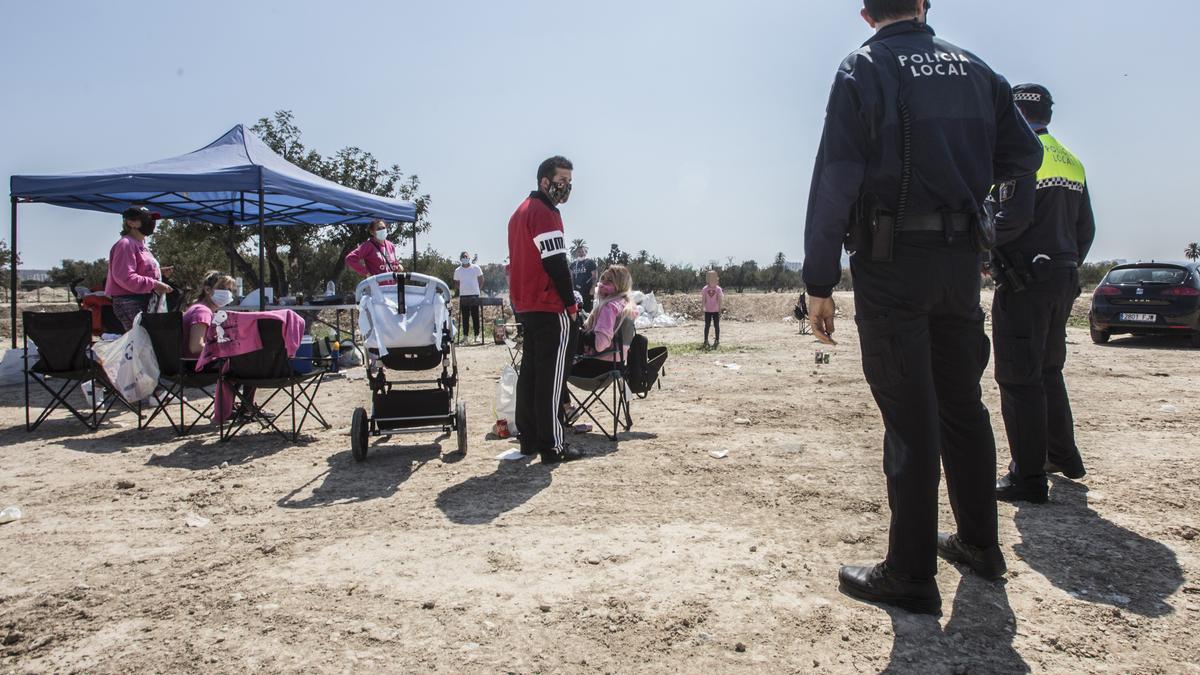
(1148, 298)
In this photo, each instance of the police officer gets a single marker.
(1044, 229)
(916, 132)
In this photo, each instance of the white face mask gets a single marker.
(464, 261)
(222, 297)
(381, 234)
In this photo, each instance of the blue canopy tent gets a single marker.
(235, 180)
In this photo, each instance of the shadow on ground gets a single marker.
(348, 481)
(1092, 558)
(978, 638)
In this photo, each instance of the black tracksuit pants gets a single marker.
(924, 351)
(470, 312)
(544, 361)
(1030, 331)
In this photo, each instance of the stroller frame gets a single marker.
(396, 407)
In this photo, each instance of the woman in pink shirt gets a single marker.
(601, 328)
(216, 293)
(713, 299)
(376, 255)
(134, 276)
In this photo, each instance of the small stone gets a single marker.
(14, 637)
(193, 520)
(126, 450)
(845, 637)
(125, 485)
(544, 608)
(592, 560)
(267, 548)
(739, 647)
(754, 549)
(428, 604)
(224, 465)
(742, 421)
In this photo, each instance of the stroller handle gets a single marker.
(364, 286)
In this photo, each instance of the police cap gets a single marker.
(1034, 100)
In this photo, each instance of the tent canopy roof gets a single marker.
(218, 183)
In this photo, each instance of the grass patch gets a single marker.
(697, 348)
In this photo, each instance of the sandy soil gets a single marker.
(651, 555)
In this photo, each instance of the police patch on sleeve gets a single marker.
(551, 243)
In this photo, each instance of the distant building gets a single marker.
(33, 276)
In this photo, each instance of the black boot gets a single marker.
(882, 585)
(1008, 490)
(986, 562)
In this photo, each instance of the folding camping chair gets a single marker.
(634, 374)
(514, 339)
(64, 350)
(270, 369)
(177, 374)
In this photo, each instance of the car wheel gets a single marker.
(1100, 337)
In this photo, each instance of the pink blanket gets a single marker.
(236, 333)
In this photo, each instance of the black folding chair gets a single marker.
(270, 369)
(800, 312)
(603, 381)
(177, 374)
(64, 350)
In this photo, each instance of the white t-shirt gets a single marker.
(468, 279)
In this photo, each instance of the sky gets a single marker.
(693, 125)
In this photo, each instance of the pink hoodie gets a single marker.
(132, 270)
(606, 326)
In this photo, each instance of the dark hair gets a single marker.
(1036, 114)
(882, 10)
(141, 215)
(548, 167)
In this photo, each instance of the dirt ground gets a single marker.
(650, 555)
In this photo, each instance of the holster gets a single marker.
(867, 234)
(1006, 273)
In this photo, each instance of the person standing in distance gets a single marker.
(584, 277)
(916, 132)
(544, 301)
(1044, 229)
(467, 278)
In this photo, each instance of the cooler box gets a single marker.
(302, 363)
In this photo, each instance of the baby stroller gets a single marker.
(407, 327)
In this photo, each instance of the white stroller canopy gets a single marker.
(426, 313)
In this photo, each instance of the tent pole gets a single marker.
(414, 266)
(12, 291)
(262, 229)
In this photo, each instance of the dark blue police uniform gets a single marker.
(1044, 230)
(924, 128)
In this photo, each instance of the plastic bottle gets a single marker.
(10, 515)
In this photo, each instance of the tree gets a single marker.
(616, 256)
(6, 260)
(577, 244)
(80, 273)
(1192, 251)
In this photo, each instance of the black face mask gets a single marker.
(147, 228)
(559, 192)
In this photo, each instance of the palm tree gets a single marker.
(1192, 251)
(577, 244)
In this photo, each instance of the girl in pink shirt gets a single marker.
(376, 255)
(216, 293)
(713, 299)
(133, 274)
(603, 324)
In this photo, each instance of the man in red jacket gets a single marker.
(542, 296)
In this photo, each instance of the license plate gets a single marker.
(1142, 318)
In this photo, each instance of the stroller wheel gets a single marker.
(359, 435)
(460, 423)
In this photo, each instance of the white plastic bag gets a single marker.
(129, 362)
(506, 398)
